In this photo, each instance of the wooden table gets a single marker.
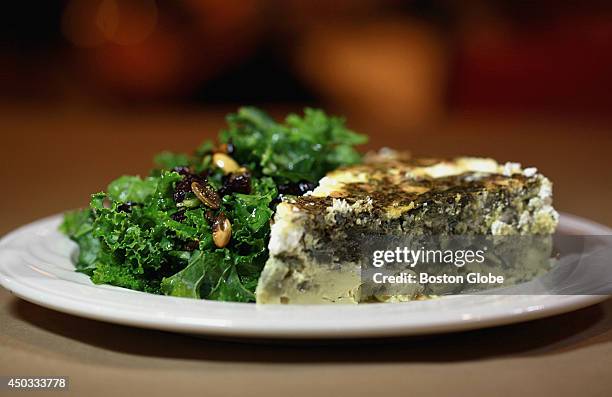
(53, 158)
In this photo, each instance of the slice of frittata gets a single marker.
(314, 257)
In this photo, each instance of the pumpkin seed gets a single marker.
(225, 163)
(206, 194)
(222, 231)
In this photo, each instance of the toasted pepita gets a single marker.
(206, 194)
(225, 163)
(222, 231)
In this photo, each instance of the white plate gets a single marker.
(35, 265)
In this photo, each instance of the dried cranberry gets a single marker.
(181, 188)
(237, 183)
(184, 186)
(126, 207)
(178, 196)
(275, 201)
(296, 188)
(210, 217)
(198, 178)
(179, 216)
(284, 188)
(305, 186)
(181, 170)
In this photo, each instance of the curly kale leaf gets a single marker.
(131, 189)
(302, 148)
(168, 160)
(134, 246)
(211, 275)
(78, 225)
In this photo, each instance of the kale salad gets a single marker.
(198, 226)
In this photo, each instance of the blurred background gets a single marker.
(400, 63)
(91, 89)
